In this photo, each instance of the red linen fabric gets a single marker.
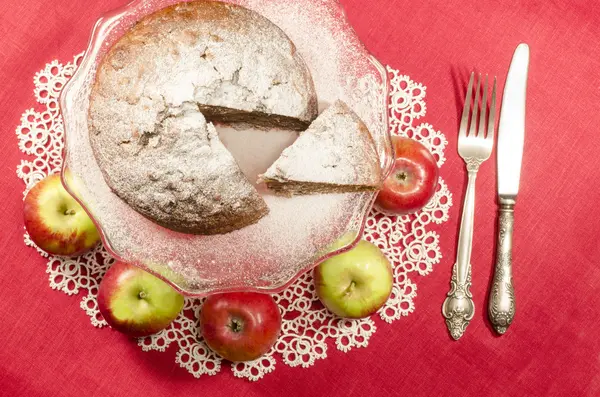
(49, 347)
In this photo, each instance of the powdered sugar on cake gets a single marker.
(181, 176)
(213, 54)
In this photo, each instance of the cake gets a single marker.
(336, 154)
(158, 89)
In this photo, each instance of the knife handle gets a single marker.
(501, 308)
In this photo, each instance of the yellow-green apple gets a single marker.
(413, 181)
(55, 221)
(240, 326)
(135, 302)
(356, 283)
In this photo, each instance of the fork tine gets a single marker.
(481, 131)
(472, 129)
(462, 132)
(492, 118)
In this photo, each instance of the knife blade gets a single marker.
(511, 137)
(511, 128)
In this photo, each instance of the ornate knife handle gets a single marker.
(501, 309)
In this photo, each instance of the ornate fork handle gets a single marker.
(458, 308)
(501, 309)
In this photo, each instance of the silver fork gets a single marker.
(474, 146)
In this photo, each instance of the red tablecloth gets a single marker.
(49, 347)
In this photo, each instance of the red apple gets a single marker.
(135, 302)
(356, 283)
(413, 181)
(55, 221)
(240, 326)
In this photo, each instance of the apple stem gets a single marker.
(236, 325)
(142, 295)
(350, 288)
(70, 212)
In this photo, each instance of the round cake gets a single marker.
(156, 92)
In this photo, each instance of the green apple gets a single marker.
(135, 302)
(55, 221)
(356, 283)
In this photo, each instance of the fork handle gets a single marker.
(458, 307)
(501, 307)
(465, 234)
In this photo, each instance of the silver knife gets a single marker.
(511, 135)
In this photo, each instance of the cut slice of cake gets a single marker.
(336, 154)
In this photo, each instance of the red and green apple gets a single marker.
(135, 302)
(240, 326)
(413, 181)
(55, 221)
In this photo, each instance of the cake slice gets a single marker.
(336, 154)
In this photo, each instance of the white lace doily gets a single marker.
(308, 330)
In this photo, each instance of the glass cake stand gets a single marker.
(299, 232)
